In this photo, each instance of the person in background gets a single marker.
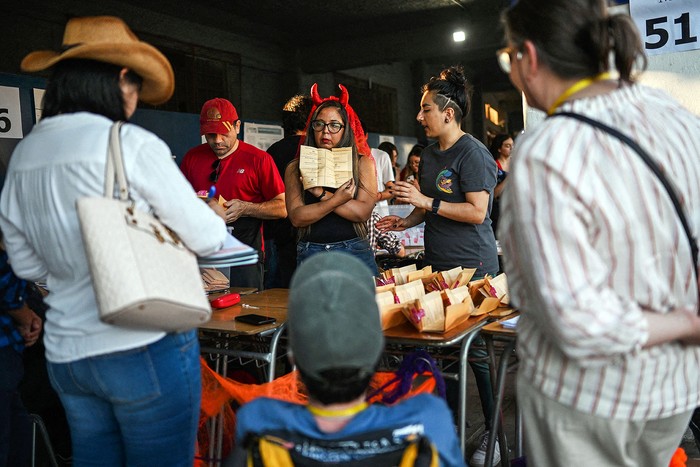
(410, 171)
(332, 219)
(336, 341)
(393, 152)
(20, 327)
(295, 116)
(131, 395)
(500, 148)
(379, 240)
(245, 176)
(385, 180)
(597, 259)
(457, 177)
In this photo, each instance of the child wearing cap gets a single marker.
(336, 341)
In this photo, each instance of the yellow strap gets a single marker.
(574, 88)
(355, 409)
(271, 452)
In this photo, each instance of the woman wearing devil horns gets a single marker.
(334, 219)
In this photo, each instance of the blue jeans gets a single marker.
(358, 247)
(139, 407)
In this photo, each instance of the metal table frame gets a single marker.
(509, 340)
(464, 336)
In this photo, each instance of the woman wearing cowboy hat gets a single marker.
(131, 396)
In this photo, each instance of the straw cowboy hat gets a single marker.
(108, 39)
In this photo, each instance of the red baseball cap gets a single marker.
(218, 116)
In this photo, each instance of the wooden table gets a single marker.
(223, 337)
(461, 335)
(223, 332)
(491, 332)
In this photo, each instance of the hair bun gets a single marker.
(454, 75)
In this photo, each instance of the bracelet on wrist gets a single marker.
(436, 205)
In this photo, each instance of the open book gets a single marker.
(323, 167)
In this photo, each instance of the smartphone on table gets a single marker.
(255, 319)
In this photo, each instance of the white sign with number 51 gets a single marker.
(10, 116)
(667, 25)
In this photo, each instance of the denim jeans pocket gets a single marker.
(127, 377)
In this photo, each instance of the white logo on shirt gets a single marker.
(240, 171)
(416, 429)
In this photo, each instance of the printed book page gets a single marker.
(323, 167)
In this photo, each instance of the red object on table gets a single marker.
(226, 301)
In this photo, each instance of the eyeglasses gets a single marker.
(333, 127)
(214, 175)
(504, 58)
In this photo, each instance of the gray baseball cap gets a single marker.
(333, 319)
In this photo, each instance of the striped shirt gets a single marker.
(591, 239)
(388, 241)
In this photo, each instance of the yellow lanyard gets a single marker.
(574, 88)
(350, 411)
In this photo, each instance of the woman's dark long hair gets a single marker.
(348, 140)
(86, 86)
(575, 38)
(496, 144)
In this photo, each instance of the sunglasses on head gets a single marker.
(214, 176)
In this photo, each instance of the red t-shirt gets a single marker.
(248, 174)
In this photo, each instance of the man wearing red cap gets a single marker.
(244, 176)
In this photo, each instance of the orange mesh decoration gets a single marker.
(218, 392)
(679, 458)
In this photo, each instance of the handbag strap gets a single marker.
(115, 165)
(653, 166)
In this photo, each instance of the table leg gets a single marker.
(462, 405)
(496, 416)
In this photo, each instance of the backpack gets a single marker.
(379, 448)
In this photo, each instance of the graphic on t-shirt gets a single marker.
(444, 181)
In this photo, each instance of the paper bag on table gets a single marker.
(400, 275)
(451, 275)
(419, 274)
(389, 311)
(410, 291)
(487, 305)
(392, 315)
(458, 306)
(427, 313)
(458, 313)
(475, 291)
(435, 282)
(463, 278)
(498, 287)
(385, 288)
(458, 295)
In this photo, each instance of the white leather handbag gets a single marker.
(143, 275)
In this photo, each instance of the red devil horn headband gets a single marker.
(314, 95)
(354, 121)
(344, 96)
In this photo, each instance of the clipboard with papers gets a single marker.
(234, 253)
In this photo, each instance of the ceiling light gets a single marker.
(459, 36)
